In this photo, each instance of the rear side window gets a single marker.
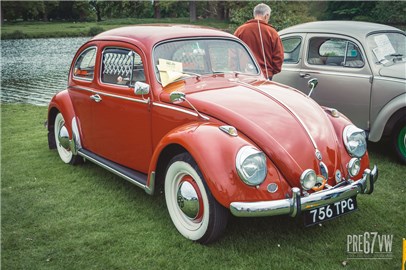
(121, 67)
(84, 66)
(291, 47)
(334, 52)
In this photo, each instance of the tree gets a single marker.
(192, 11)
(157, 10)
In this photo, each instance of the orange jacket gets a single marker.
(249, 33)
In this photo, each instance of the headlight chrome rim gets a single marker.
(361, 147)
(306, 176)
(354, 167)
(250, 152)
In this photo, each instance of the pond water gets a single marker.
(33, 70)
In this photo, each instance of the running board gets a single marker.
(132, 176)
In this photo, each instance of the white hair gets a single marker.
(261, 10)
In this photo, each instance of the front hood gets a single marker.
(397, 71)
(287, 125)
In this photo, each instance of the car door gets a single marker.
(121, 119)
(339, 64)
(82, 83)
(292, 63)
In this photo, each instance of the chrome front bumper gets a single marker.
(295, 205)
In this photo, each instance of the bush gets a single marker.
(95, 30)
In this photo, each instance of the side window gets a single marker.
(334, 52)
(121, 67)
(84, 66)
(291, 47)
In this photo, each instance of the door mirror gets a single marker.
(141, 88)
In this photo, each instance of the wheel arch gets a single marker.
(165, 156)
(387, 118)
(215, 153)
(60, 103)
(393, 120)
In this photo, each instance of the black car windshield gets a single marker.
(195, 57)
(387, 48)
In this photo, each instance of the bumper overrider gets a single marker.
(295, 205)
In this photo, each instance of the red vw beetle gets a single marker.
(187, 109)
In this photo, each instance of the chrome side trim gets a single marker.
(146, 101)
(343, 74)
(174, 108)
(389, 79)
(112, 170)
(150, 187)
(296, 204)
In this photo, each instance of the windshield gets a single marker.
(177, 59)
(387, 48)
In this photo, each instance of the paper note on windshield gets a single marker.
(169, 71)
(384, 47)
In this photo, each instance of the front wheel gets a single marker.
(62, 142)
(399, 140)
(191, 206)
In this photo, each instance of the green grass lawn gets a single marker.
(56, 216)
(75, 29)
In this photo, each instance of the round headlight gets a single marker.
(251, 165)
(355, 141)
(354, 167)
(308, 179)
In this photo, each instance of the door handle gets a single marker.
(96, 98)
(304, 75)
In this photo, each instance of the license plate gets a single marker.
(330, 211)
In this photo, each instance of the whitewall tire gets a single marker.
(61, 138)
(191, 206)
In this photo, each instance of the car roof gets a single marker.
(356, 29)
(150, 34)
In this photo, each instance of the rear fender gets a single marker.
(378, 126)
(215, 151)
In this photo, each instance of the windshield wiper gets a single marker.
(236, 73)
(198, 76)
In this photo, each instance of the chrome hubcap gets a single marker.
(188, 200)
(63, 137)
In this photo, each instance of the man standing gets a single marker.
(263, 40)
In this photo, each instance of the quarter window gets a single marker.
(291, 47)
(121, 67)
(334, 52)
(84, 66)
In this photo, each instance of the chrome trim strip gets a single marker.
(389, 79)
(112, 170)
(174, 108)
(288, 109)
(110, 95)
(343, 74)
(150, 187)
(296, 204)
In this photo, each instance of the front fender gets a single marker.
(215, 151)
(378, 126)
(62, 103)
